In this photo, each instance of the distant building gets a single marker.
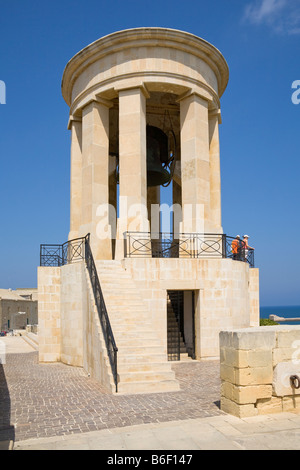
(18, 308)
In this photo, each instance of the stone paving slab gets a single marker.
(57, 407)
(187, 435)
(46, 400)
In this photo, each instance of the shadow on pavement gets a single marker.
(7, 432)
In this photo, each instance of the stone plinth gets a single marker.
(256, 364)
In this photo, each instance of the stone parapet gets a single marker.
(256, 365)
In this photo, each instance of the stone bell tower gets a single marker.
(122, 298)
(119, 89)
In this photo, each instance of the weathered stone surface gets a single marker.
(281, 379)
(241, 411)
(252, 370)
(269, 405)
(264, 338)
(244, 395)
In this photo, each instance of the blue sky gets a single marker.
(260, 136)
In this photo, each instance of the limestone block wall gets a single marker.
(95, 358)
(61, 297)
(49, 313)
(256, 365)
(72, 304)
(226, 295)
(69, 326)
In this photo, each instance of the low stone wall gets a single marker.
(32, 329)
(256, 365)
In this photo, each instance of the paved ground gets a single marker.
(57, 407)
(44, 400)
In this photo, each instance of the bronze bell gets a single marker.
(157, 155)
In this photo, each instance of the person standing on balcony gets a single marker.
(246, 247)
(235, 247)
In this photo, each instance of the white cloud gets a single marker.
(264, 10)
(283, 16)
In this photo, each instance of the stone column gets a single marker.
(153, 203)
(76, 177)
(95, 178)
(132, 165)
(195, 166)
(215, 175)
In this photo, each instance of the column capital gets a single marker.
(193, 94)
(73, 118)
(97, 101)
(213, 103)
(140, 86)
(215, 113)
(104, 101)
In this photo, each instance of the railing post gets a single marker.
(125, 244)
(224, 241)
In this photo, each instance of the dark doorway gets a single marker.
(180, 325)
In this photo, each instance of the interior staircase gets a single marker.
(142, 364)
(176, 347)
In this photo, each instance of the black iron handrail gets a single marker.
(111, 347)
(184, 245)
(77, 250)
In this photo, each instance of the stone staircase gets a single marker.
(31, 339)
(142, 364)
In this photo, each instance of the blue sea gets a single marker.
(285, 312)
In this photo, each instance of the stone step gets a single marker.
(142, 362)
(137, 350)
(139, 327)
(138, 342)
(127, 367)
(148, 387)
(133, 335)
(31, 341)
(150, 375)
(121, 290)
(119, 315)
(111, 274)
(130, 321)
(122, 301)
(144, 358)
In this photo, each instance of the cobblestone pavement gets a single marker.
(44, 400)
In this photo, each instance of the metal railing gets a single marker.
(77, 250)
(59, 255)
(184, 245)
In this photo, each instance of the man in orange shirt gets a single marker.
(235, 247)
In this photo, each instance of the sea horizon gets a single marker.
(285, 311)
